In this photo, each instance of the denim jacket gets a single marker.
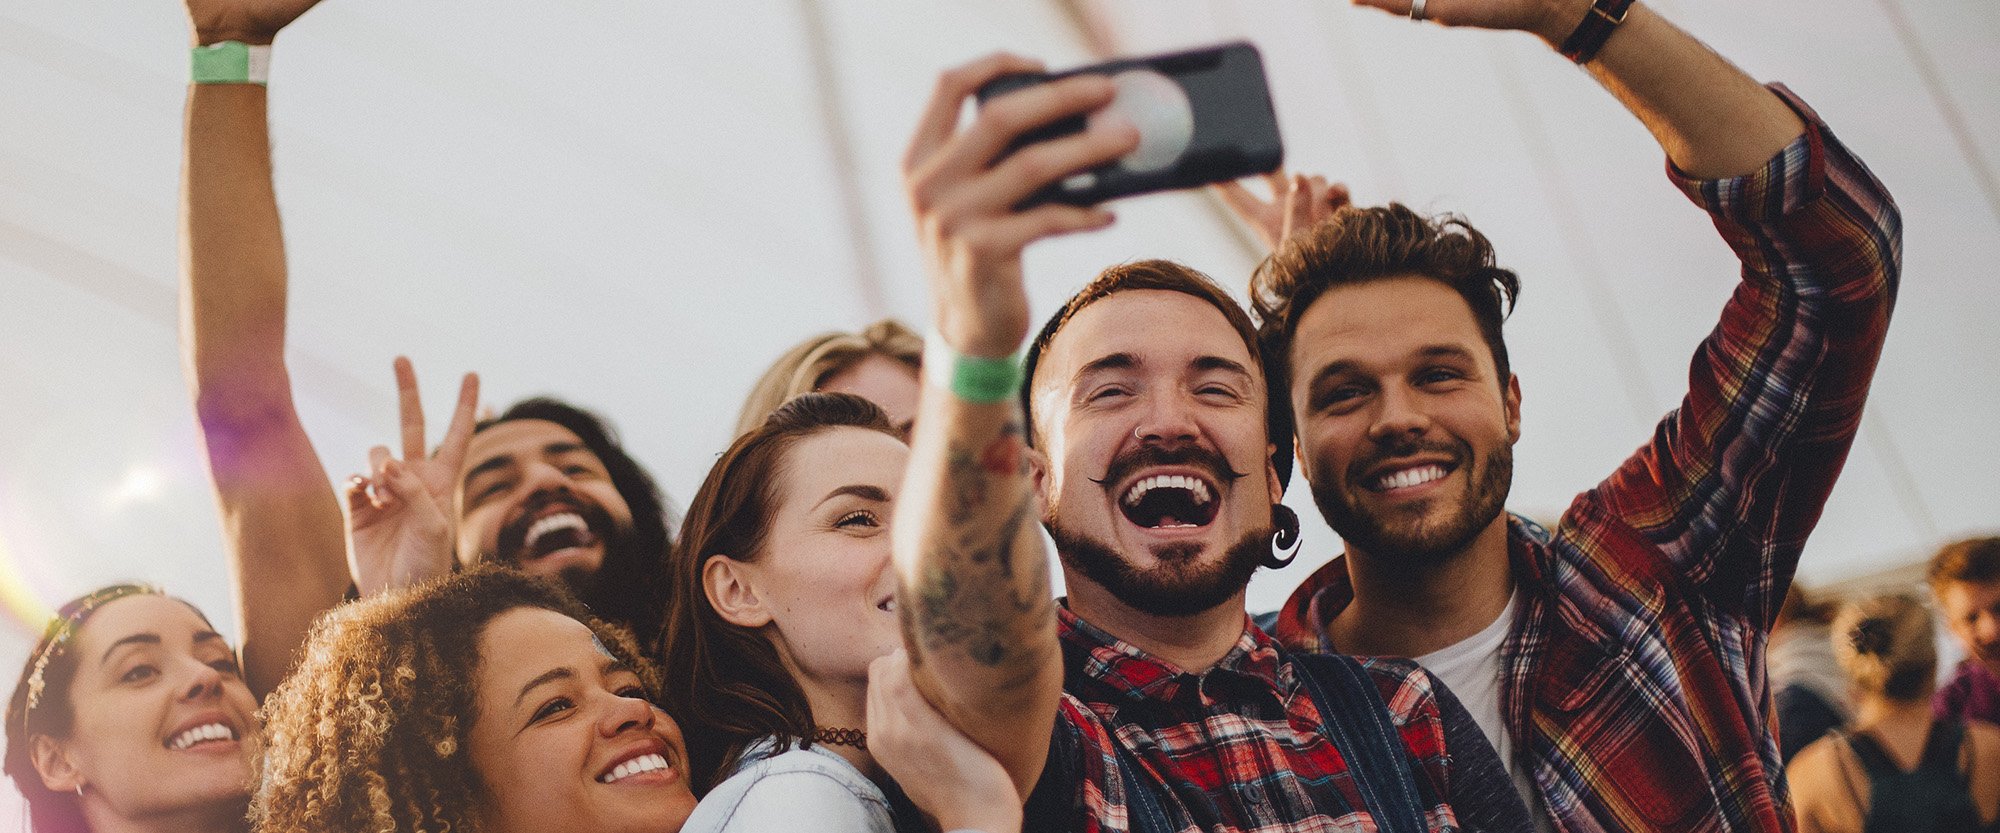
(801, 788)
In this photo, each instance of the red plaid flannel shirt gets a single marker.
(1634, 682)
(1240, 747)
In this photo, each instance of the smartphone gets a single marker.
(1203, 116)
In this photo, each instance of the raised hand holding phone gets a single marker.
(1203, 115)
(964, 195)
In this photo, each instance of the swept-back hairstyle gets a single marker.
(1975, 560)
(41, 705)
(370, 732)
(1359, 245)
(726, 683)
(1171, 277)
(810, 363)
(1887, 646)
(631, 585)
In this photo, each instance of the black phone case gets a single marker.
(1235, 127)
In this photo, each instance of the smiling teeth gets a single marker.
(564, 520)
(1410, 477)
(204, 732)
(643, 763)
(1194, 485)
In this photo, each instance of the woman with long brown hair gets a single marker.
(783, 597)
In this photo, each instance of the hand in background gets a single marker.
(399, 528)
(944, 772)
(1297, 202)
(249, 21)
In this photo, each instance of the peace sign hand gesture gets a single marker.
(399, 522)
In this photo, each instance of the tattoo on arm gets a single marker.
(985, 586)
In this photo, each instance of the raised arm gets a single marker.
(1713, 120)
(974, 592)
(281, 522)
(1733, 480)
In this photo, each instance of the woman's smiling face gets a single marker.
(162, 719)
(564, 737)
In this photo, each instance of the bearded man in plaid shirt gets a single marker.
(1616, 661)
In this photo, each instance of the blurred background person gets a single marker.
(1965, 578)
(879, 364)
(1806, 681)
(1896, 769)
(132, 715)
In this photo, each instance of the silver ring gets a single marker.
(1416, 9)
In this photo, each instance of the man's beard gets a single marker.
(1411, 544)
(1179, 586)
(583, 580)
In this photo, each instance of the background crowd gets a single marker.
(895, 421)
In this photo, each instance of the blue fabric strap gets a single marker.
(1357, 721)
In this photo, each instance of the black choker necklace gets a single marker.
(836, 736)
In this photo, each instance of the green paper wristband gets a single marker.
(231, 62)
(974, 379)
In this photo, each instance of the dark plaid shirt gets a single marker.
(1634, 684)
(1242, 746)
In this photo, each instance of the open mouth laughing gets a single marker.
(648, 759)
(548, 527)
(1170, 501)
(202, 733)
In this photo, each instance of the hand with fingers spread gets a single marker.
(399, 529)
(957, 783)
(1552, 20)
(249, 21)
(1298, 202)
(963, 187)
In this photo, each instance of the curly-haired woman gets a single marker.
(488, 701)
(131, 715)
(492, 702)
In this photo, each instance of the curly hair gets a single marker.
(369, 733)
(1358, 245)
(729, 686)
(810, 363)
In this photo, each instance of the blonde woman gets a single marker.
(1895, 768)
(878, 364)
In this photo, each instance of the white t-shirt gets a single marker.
(1471, 669)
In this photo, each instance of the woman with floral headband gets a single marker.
(131, 715)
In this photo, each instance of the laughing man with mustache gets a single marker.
(1146, 700)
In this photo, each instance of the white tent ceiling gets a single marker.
(637, 205)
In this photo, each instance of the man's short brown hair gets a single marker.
(1974, 560)
(1171, 277)
(1358, 245)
